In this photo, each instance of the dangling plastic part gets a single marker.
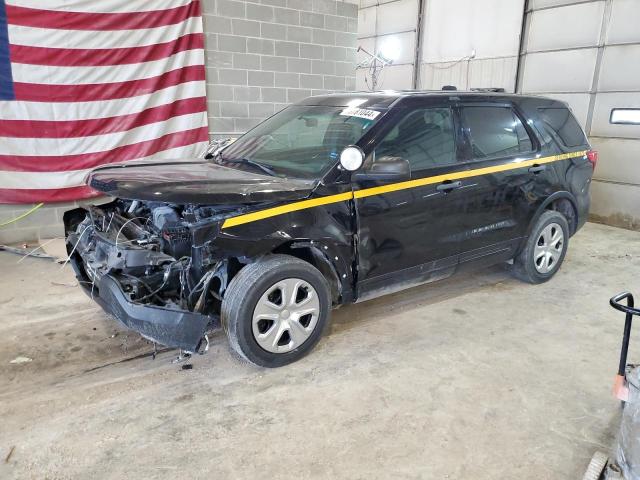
(206, 345)
(182, 356)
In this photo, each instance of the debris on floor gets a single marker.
(52, 248)
(25, 252)
(19, 360)
(8, 457)
(63, 284)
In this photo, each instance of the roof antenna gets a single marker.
(374, 63)
(449, 87)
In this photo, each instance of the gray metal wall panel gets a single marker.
(620, 68)
(553, 29)
(388, 26)
(453, 28)
(615, 204)
(603, 105)
(398, 77)
(399, 16)
(479, 73)
(625, 22)
(564, 71)
(537, 4)
(619, 160)
(591, 80)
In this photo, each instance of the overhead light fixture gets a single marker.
(625, 116)
(390, 48)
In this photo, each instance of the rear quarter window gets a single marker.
(495, 131)
(562, 125)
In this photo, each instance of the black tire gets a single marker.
(596, 466)
(524, 265)
(243, 294)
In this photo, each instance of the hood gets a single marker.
(194, 181)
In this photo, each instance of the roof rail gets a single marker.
(488, 89)
(449, 87)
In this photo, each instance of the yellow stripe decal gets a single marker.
(393, 187)
(291, 207)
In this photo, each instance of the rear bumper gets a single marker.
(171, 327)
(584, 203)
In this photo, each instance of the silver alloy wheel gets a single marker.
(549, 248)
(286, 315)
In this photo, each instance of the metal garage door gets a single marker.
(588, 54)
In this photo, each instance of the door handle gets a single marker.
(448, 186)
(537, 168)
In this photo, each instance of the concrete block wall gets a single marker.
(264, 55)
(44, 223)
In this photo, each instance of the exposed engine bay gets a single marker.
(131, 240)
(158, 254)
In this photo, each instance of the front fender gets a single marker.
(326, 231)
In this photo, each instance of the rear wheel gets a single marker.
(545, 249)
(275, 310)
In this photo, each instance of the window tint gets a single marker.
(424, 137)
(495, 132)
(563, 126)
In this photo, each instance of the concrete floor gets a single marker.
(475, 377)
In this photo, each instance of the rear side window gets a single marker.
(562, 125)
(495, 132)
(424, 137)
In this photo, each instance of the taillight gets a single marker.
(592, 156)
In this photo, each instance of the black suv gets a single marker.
(333, 200)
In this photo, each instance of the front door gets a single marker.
(408, 232)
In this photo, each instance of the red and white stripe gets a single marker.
(95, 83)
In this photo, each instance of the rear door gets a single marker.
(498, 203)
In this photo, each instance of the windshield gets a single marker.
(301, 141)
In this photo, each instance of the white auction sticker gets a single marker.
(360, 113)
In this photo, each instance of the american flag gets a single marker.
(89, 82)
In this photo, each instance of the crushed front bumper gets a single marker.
(167, 326)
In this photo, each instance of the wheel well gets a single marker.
(568, 209)
(318, 260)
(304, 253)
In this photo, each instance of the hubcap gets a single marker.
(549, 248)
(286, 315)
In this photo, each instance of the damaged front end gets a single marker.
(152, 266)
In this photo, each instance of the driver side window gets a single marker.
(424, 137)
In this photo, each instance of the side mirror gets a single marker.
(385, 169)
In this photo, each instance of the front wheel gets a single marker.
(275, 310)
(545, 249)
